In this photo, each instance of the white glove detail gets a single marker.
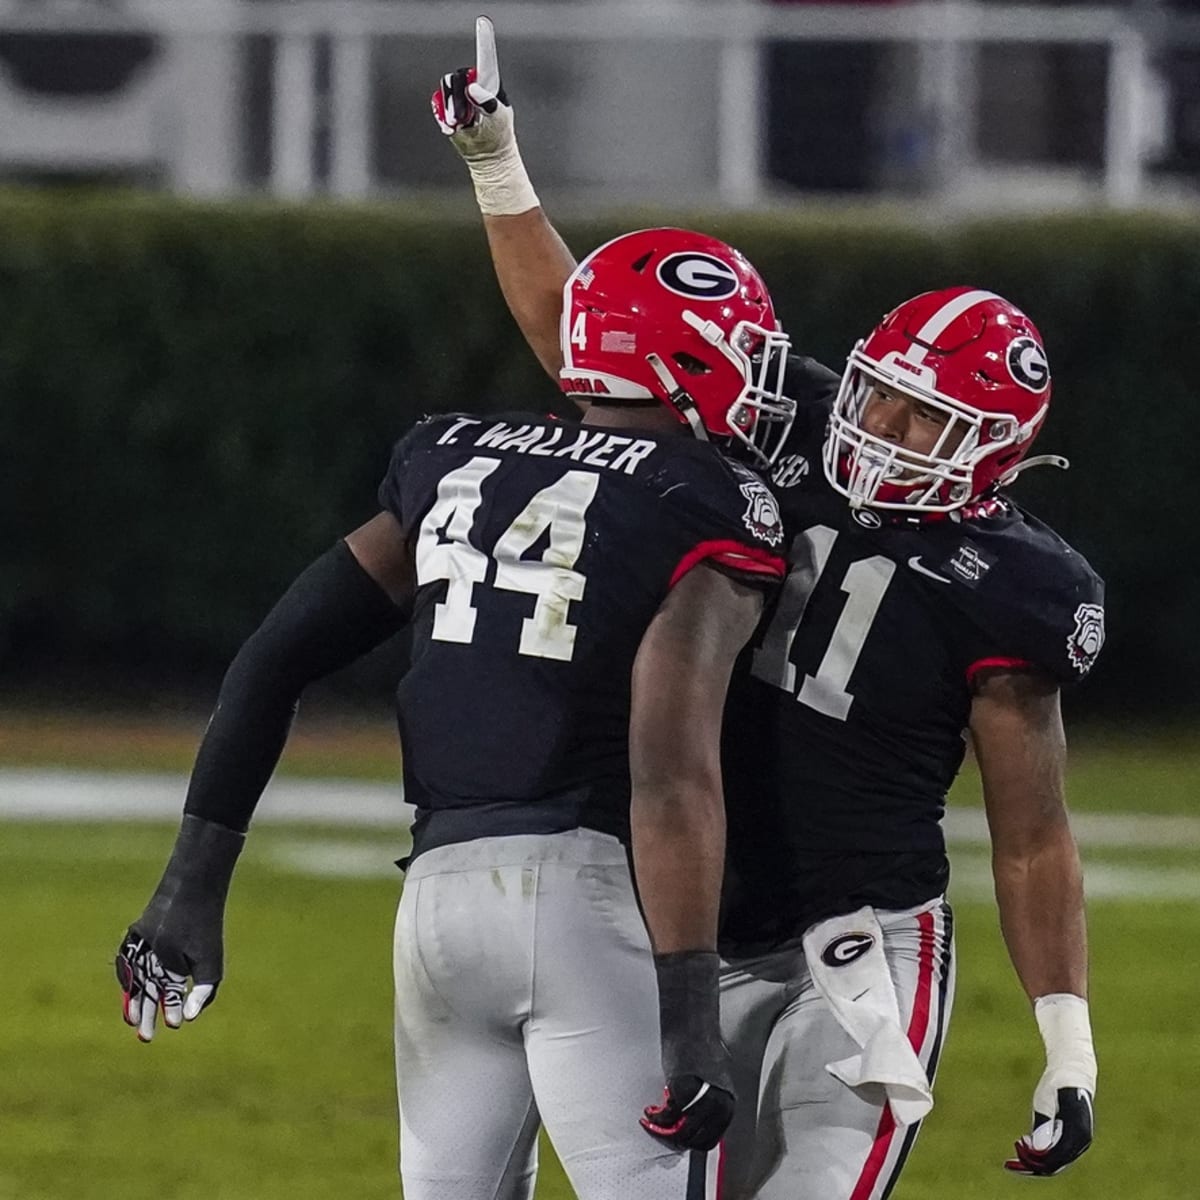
(149, 986)
(472, 111)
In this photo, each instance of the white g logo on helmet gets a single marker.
(1027, 364)
(697, 276)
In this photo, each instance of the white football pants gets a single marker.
(525, 991)
(811, 1137)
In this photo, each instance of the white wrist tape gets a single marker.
(489, 148)
(1067, 1035)
(502, 187)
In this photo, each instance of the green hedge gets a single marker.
(195, 400)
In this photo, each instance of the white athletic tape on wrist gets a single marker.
(1066, 1031)
(490, 150)
(502, 186)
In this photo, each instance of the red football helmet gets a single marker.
(968, 354)
(682, 318)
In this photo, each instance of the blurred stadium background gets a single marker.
(237, 260)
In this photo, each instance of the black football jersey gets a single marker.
(543, 549)
(845, 726)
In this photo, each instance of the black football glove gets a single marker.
(180, 933)
(698, 1101)
(693, 1115)
(1062, 1101)
(1057, 1139)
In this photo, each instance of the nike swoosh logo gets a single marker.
(915, 563)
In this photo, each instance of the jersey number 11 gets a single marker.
(865, 582)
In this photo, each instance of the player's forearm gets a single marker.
(241, 747)
(1040, 896)
(532, 264)
(678, 835)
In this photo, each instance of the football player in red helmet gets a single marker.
(929, 605)
(938, 404)
(577, 597)
(679, 317)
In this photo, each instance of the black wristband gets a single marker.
(689, 1016)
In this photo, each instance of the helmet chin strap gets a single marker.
(1038, 460)
(677, 398)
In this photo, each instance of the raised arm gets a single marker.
(1016, 725)
(532, 262)
(678, 827)
(341, 606)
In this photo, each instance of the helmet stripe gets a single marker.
(940, 321)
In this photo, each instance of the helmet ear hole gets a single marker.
(689, 364)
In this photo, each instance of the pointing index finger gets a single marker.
(487, 65)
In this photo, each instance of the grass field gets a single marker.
(284, 1088)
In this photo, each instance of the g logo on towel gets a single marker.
(848, 948)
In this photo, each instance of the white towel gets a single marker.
(848, 966)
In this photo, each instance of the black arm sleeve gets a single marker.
(332, 614)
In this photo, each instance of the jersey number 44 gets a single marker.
(445, 551)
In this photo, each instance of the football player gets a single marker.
(578, 595)
(922, 602)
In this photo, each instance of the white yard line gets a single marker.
(971, 879)
(81, 797)
(970, 874)
(1145, 831)
(37, 795)
(337, 860)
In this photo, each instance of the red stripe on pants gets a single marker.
(918, 1024)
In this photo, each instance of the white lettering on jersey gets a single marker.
(450, 437)
(594, 448)
(630, 459)
(525, 440)
(599, 456)
(585, 441)
(545, 448)
(497, 434)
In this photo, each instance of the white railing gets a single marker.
(946, 33)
